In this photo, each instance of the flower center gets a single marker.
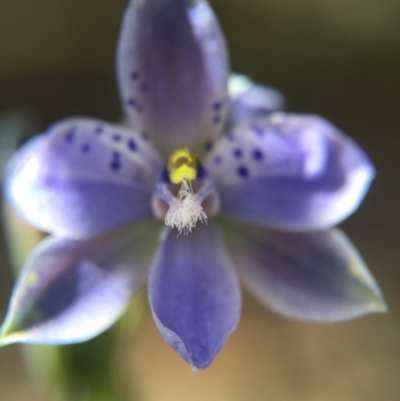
(184, 193)
(184, 210)
(182, 165)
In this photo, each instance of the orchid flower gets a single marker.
(212, 182)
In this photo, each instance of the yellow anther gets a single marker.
(182, 164)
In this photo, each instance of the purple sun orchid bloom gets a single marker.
(241, 189)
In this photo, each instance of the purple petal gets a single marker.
(291, 172)
(194, 294)
(316, 276)
(83, 177)
(172, 70)
(70, 291)
(250, 101)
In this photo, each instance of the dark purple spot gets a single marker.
(201, 172)
(98, 130)
(242, 172)
(238, 153)
(257, 154)
(135, 104)
(86, 148)
(144, 87)
(165, 176)
(70, 136)
(135, 75)
(216, 119)
(132, 144)
(115, 165)
(116, 137)
(208, 145)
(116, 156)
(217, 106)
(131, 102)
(258, 130)
(217, 160)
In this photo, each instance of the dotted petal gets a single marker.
(290, 172)
(83, 177)
(173, 77)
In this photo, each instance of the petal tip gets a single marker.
(377, 305)
(380, 306)
(197, 357)
(8, 337)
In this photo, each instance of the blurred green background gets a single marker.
(340, 59)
